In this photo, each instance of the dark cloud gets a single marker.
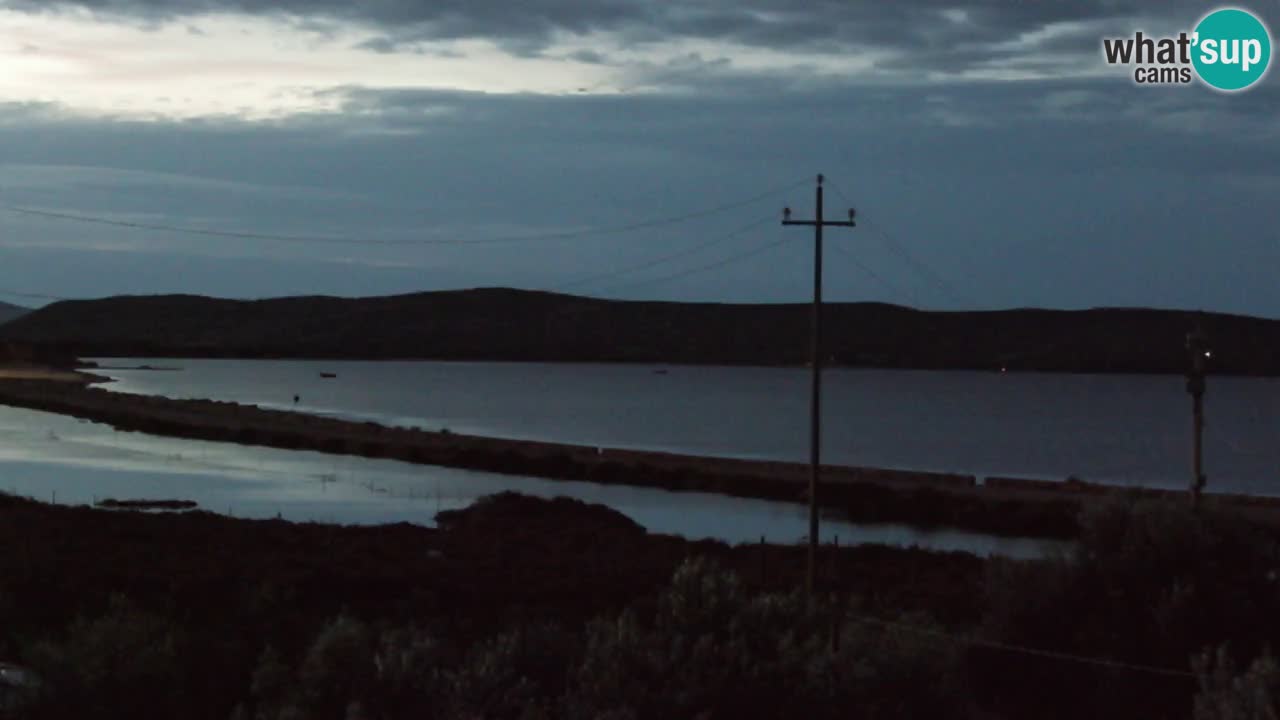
(382, 44)
(587, 56)
(938, 34)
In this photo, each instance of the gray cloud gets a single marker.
(942, 35)
(587, 56)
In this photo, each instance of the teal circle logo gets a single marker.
(1232, 49)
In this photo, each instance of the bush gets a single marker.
(412, 672)
(272, 684)
(338, 668)
(123, 664)
(517, 675)
(1149, 583)
(709, 649)
(702, 645)
(1224, 695)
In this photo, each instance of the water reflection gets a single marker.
(1118, 429)
(52, 457)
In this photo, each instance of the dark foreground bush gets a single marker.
(124, 663)
(704, 647)
(711, 650)
(1225, 695)
(1150, 583)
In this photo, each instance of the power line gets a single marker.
(752, 252)
(871, 273)
(612, 273)
(921, 268)
(98, 220)
(919, 265)
(33, 296)
(664, 259)
(1023, 650)
(567, 235)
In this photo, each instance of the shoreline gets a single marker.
(655, 363)
(49, 374)
(995, 505)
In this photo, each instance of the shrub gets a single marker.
(272, 683)
(337, 669)
(710, 649)
(124, 663)
(412, 667)
(1149, 583)
(517, 675)
(1224, 695)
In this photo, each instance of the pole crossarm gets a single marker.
(824, 223)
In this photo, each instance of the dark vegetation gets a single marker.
(1152, 584)
(506, 324)
(11, 312)
(20, 355)
(114, 504)
(524, 608)
(127, 614)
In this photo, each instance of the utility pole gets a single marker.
(815, 398)
(1198, 349)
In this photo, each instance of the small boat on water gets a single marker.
(659, 372)
(328, 376)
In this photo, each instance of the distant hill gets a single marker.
(11, 312)
(505, 324)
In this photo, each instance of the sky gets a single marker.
(630, 149)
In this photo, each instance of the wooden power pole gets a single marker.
(1198, 349)
(815, 398)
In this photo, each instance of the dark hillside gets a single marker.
(506, 324)
(11, 312)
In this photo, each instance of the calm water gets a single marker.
(1120, 429)
(58, 458)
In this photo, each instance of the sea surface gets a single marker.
(1118, 429)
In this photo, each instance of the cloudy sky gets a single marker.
(628, 148)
